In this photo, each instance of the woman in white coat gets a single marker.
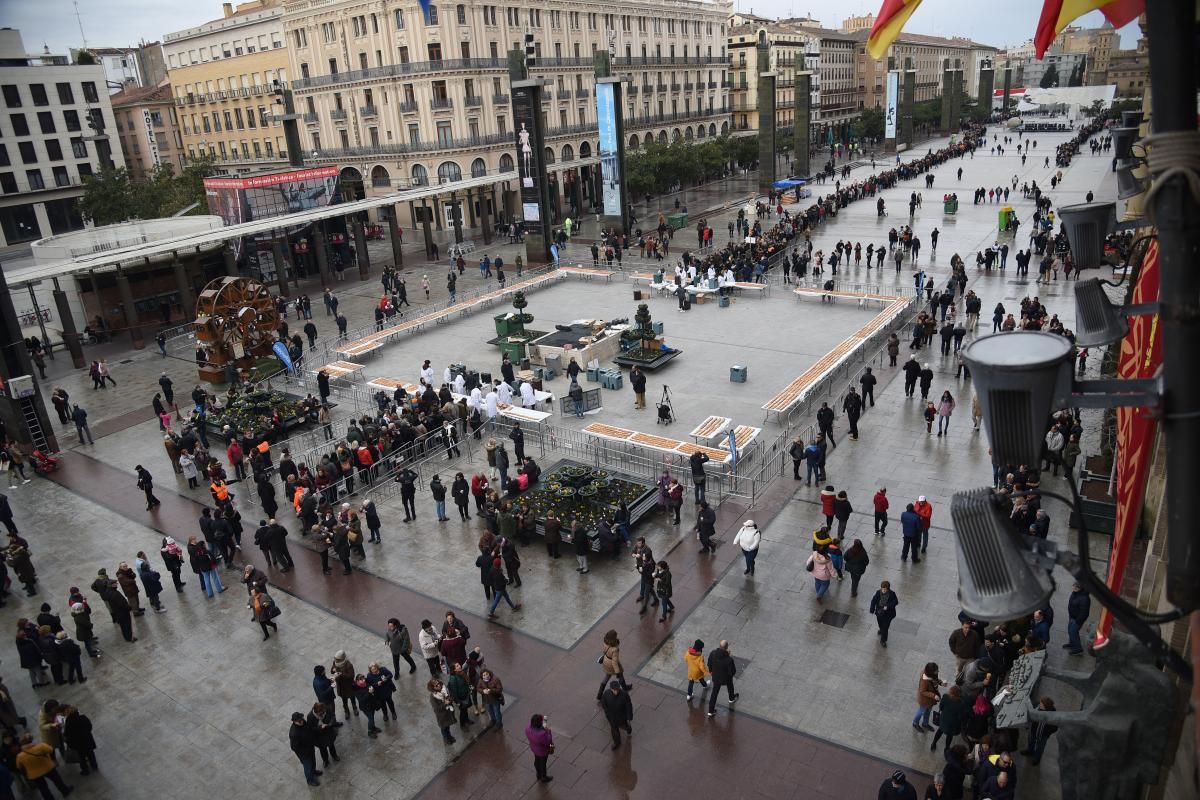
(748, 539)
(187, 464)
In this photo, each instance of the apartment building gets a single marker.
(1129, 70)
(54, 131)
(147, 126)
(790, 51)
(223, 75)
(399, 97)
(838, 73)
(928, 55)
(1098, 44)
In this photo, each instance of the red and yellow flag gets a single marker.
(893, 14)
(1058, 14)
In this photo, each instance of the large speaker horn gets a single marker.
(1087, 224)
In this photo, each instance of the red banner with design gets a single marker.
(1141, 357)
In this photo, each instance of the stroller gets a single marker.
(666, 412)
(44, 464)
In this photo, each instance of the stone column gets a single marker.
(766, 127)
(426, 215)
(948, 122)
(801, 131)
(470, 208)
(131, 315)
(279, 250)
(987, 81)
(360, 250)
(187, 296)
(231, 267)
(1008, 75)
(485, 218)
(456, 215)
(321, 252)
(910, 97)
(397, 237)
(67, 320)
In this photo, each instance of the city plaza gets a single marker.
(824, 711)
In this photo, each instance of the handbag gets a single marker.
(551, 748)
(810, 566)
(936, 717)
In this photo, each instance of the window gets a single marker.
(464, 49)
(89, 92)
(61, 177)
(46, 121)
(216, 120)
(431, 17)
(12, 96)
(403, 55)
(228, 121)
(28, 154)
(271, 146)
(19, 125)
(462, 14)
(38, 92)
(160, 141)
(53, 150)
(414, 133)
(4, 160)
(362, 61)
(435, 52)
(333, 66)
(316, 138)
(34, 177)
(399, 16)
(237, 118)
(502, 125)
(304, 71)
(8, 183)
(221, 148)
(445, 135)
(328, 32)
(207, 127)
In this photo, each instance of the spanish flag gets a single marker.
(893, 15)
(1058, 14)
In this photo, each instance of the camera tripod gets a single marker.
(666, 411)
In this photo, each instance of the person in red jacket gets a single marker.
(925, 512)
(828, 495)
(881, 507)
(237, 458)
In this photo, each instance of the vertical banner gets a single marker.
(529, 160)
(610, 157)
(1141, 357)
(893, 98)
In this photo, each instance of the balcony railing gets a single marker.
(582, 93)
(441, 103)
(653, 61)
(563, 94)
(500, 99)
(396, 70)
(338, 115)
(463, 143)
(368, 111)
(662, 87)
(408, 107)
(473, 101)
(712, 84)
(687, 87)
(675, 87)
(564, 61)
(311, 118)
(632, 91)
(647, 88)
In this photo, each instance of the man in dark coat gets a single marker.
(304, 744)
(912, 371)
(618, 710)
(868, 381)
(825, 423)
(926, 379)
(706, 521)
(637, 382)
(852, 405)
(723, 668)
(277, 538)
(897, 787)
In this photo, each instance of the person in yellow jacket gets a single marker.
(37, 764)
(697, 671)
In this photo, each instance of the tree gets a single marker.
(1077, 74)
(1050, 78)
(645, 328)
(520, 304)
(868, 125)
(113, 196)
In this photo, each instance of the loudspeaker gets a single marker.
(1128, 184)
(1020, 377)
(1087, 224)
(1123, 139)
(1131, 119)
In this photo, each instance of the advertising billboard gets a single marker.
(265, 196)
(893, 99)
(610, 157)
(529, 160)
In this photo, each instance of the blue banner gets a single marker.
(281, 352)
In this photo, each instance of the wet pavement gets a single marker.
(823, 712)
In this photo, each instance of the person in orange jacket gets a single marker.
(697, 671)
(925, 512)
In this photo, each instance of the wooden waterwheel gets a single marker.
(236, 320)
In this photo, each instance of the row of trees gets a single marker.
(656, 168)
(112, 195)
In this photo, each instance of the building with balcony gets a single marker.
(55, 131)
(928, 56)
(147, 126)
(790, 51)
(1098, 44)
(139, 65)
(1129, 70)
(398, 97)
(223, 76)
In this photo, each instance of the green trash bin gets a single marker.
(1005, 215)
(514, 350)
(677, 221)
(950, 206)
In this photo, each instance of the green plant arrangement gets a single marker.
(574, 492)
(252, 411)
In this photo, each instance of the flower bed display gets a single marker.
(574, 491)
(252, 411)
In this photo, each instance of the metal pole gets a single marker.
(1174, 209)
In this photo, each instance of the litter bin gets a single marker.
(737, 374)
(677, 221)
(950, 206)
(1005, 216)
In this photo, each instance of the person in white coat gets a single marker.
(476, 399)
(447, 377)
(187, 464)
(428, 641)
(504, 393)
(528, 399)
(459, 384)
(748, 539)
(427, 373)
(490, 404)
